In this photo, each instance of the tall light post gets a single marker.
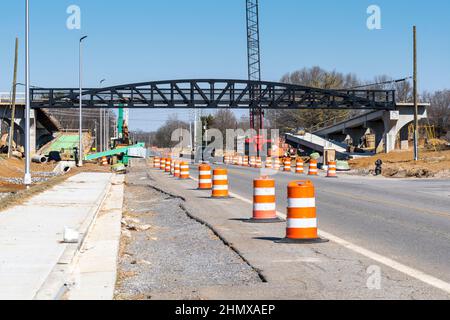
(102, 133)
(416, 108)
(80, 146)
(27, 178)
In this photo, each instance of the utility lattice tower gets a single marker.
(254, 56)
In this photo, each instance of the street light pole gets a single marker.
(416, 108)
(102, 133)
(80, 147)
(27, 178)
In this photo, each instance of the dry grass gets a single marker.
(14, 168)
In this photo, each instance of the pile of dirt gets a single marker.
(401, 164)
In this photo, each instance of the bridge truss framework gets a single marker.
(214, 94)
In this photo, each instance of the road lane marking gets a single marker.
(389, 203)
(411, 272)
(401, 205)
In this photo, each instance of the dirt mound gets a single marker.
(401, 164)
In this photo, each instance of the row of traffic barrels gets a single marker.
(302, 226)
(284, 164)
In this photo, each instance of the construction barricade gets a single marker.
(220, 183)
(300, 167)
(184, 170)
(302, 226)
(287, 165)
(157, 162)
(313, 170)
(264, 201)
(177, 172)
(332, 170)
(204, 177)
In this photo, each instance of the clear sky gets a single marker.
(144, 40)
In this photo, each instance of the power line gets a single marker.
(380, 83)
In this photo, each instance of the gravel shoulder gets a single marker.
(167, 255)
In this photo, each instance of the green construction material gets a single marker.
(63, 142)
(115, 152)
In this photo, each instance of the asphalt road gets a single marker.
(405, 220)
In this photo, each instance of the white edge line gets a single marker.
(414, 273)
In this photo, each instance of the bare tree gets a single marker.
(292, 120)
(439, 111)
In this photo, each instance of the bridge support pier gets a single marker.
(395, 123)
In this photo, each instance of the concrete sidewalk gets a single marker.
(31, 235)
(318, 271)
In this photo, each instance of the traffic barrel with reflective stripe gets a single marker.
(269, 163)
(277, 164)
(105, 161)
(184, 170)
(157, 163)
(204, 177)
(236, 160)
(287, 164)
(240, 161)
(300, 167)
(163, 164)
(258, 163)
(220, 183)
(246, 163)
(168, 165)
(172, 167)
(332, 169)
(264, 201)
(313, 171)
(177, 172)
(252, 161)
(302, 226)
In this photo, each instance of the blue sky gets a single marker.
(144, 40)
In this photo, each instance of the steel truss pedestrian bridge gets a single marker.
(211, 94)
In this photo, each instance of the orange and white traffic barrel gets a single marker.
(313, 170)
(105, 161)
(163, 164)
(277, 164)
(168, 165)
(258, 163)
(236, 160)
(157, 162)
(204, 177)
(184, 170)
(269, 163)
(240, 161)
(220, 183)
(287, 164)
(252, 162)
(264, 201)
(300, 167)
(302, 226)
(246, 161)
(172, 167)
(332, 169)
(177, 171)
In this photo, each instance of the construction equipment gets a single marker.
(123, 150)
